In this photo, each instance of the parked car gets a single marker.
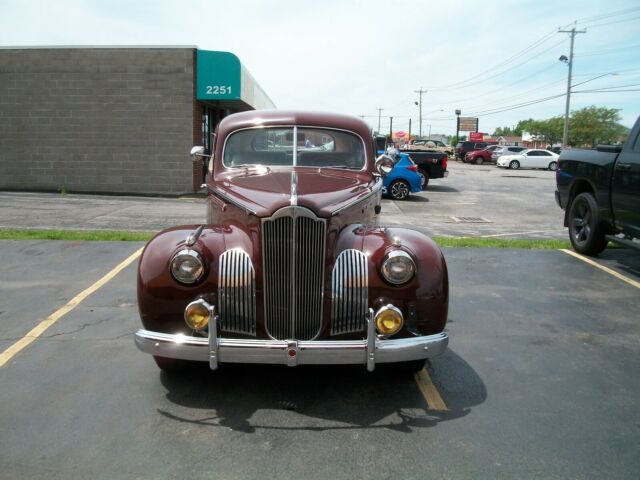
(403, 178)
(480, 156)
(506, 150)
(530, 158)
(462, 148)
(429, 146)
(599, 190)
(430, 165)
(289, 266)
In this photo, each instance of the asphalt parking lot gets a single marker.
(474, 200)
(539, 381)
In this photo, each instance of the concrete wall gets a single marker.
(97, 119)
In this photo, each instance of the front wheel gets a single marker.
(514, 165)
(585, 229)
(553, 166)
(399, 190)
(424, 178)
(479, 161)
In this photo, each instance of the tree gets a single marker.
(593, 125)
(549, 130)
(503, 132)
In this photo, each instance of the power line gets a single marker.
(608, 15)
(612, 23)
(514, 57)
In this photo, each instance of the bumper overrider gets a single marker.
(369, 351)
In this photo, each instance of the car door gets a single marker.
(545, 159)
(532, 159)
(527, 159)
(625, 187)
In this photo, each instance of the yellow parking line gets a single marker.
(39, 329)
(429, 391)
(602, 267)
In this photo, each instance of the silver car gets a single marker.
(506, 150)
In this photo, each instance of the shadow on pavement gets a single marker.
(325, 398)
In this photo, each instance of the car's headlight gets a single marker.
(186, 266)
(398, 267)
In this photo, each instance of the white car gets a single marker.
(530, 158)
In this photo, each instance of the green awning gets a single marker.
(221, 77)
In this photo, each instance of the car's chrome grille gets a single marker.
(350, 292)
(293, 244)
(237, 293)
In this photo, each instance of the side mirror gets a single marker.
(383, 166)
(197, 151)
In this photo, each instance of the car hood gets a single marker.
(262, 191)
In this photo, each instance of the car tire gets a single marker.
(479, 161)
(514, 165)
(399, 190)
(424, 178)
(585, 228)
(553, 166)
(171, 365)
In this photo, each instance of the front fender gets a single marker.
(161, 299)
(424, 301)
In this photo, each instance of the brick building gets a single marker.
(114, 119)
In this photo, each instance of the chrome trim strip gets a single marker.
(318, 352)
(230, 199)
(371, 342)
(213, 339)
(294, 189)
(377, 188)
(237, 292)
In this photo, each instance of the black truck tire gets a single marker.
(585, 228)
(425, 178)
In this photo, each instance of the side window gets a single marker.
(636, 145)
(533, 153)
(545, 154)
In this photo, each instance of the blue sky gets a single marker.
(356, 56)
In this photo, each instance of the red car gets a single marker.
(480, 156)
(290, 266)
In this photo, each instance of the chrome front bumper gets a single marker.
(369, 351)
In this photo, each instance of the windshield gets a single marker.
(313, 147)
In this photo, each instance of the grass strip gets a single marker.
(479, 242)
(90, 235)
(116, 235)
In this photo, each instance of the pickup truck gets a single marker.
(430, 164)
(599, 189)
(429, 146)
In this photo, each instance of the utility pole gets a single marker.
(379, 114)
(391, 128)
(565, 130)
(409, 129)
(421, 91)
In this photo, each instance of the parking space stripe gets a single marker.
(619, 276)
(429, 391)
(39, 329)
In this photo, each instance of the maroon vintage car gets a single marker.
(290, 267)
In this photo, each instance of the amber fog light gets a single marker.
(197, 315)
(389, 320)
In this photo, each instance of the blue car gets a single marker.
(403, 179)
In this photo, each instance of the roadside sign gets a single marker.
(468, 124)
(476, 136)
